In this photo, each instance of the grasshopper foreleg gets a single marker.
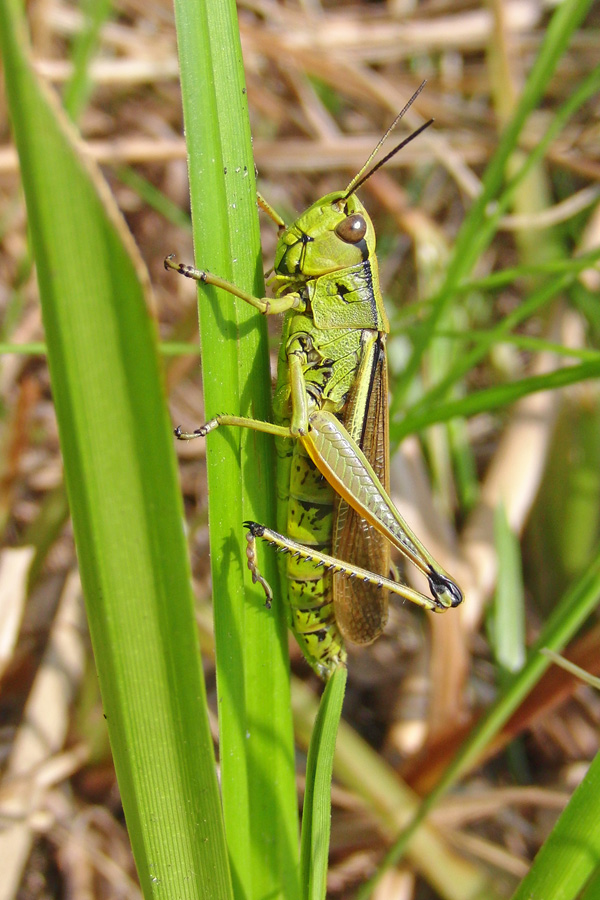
(239, 421)
(266, 305)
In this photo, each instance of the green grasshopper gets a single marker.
(331, 429)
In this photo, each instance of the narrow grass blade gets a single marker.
(508, 616)
(535, 303)
(568, 666)
(571, 855)
(79, 86)
(256, 735)
(507, 276)
(122, 485)
(567, 17)
(316, 813)
(575, 607)
(361, 769)
(494, 398)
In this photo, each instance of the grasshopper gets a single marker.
(331, 428)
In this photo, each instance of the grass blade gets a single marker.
(573, 610)
(257, 756)
(494, 398)
(468, 247)
(507, 619)
(361, 770)
(316, 814)
(571, 855)
(123, 492)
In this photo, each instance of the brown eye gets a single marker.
(353, 229)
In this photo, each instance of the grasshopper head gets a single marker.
(333, 233)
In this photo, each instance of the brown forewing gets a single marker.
(361, 609)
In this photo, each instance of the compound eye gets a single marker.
(352, 229)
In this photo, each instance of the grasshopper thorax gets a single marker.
(334, 233)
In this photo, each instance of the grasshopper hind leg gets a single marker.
(311, 615)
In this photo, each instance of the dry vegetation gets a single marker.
(323, 83)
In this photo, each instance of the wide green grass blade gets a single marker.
(592, 888)
(256, 736)
(122, 485)
(316, 813)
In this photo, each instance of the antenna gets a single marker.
(363, 175)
